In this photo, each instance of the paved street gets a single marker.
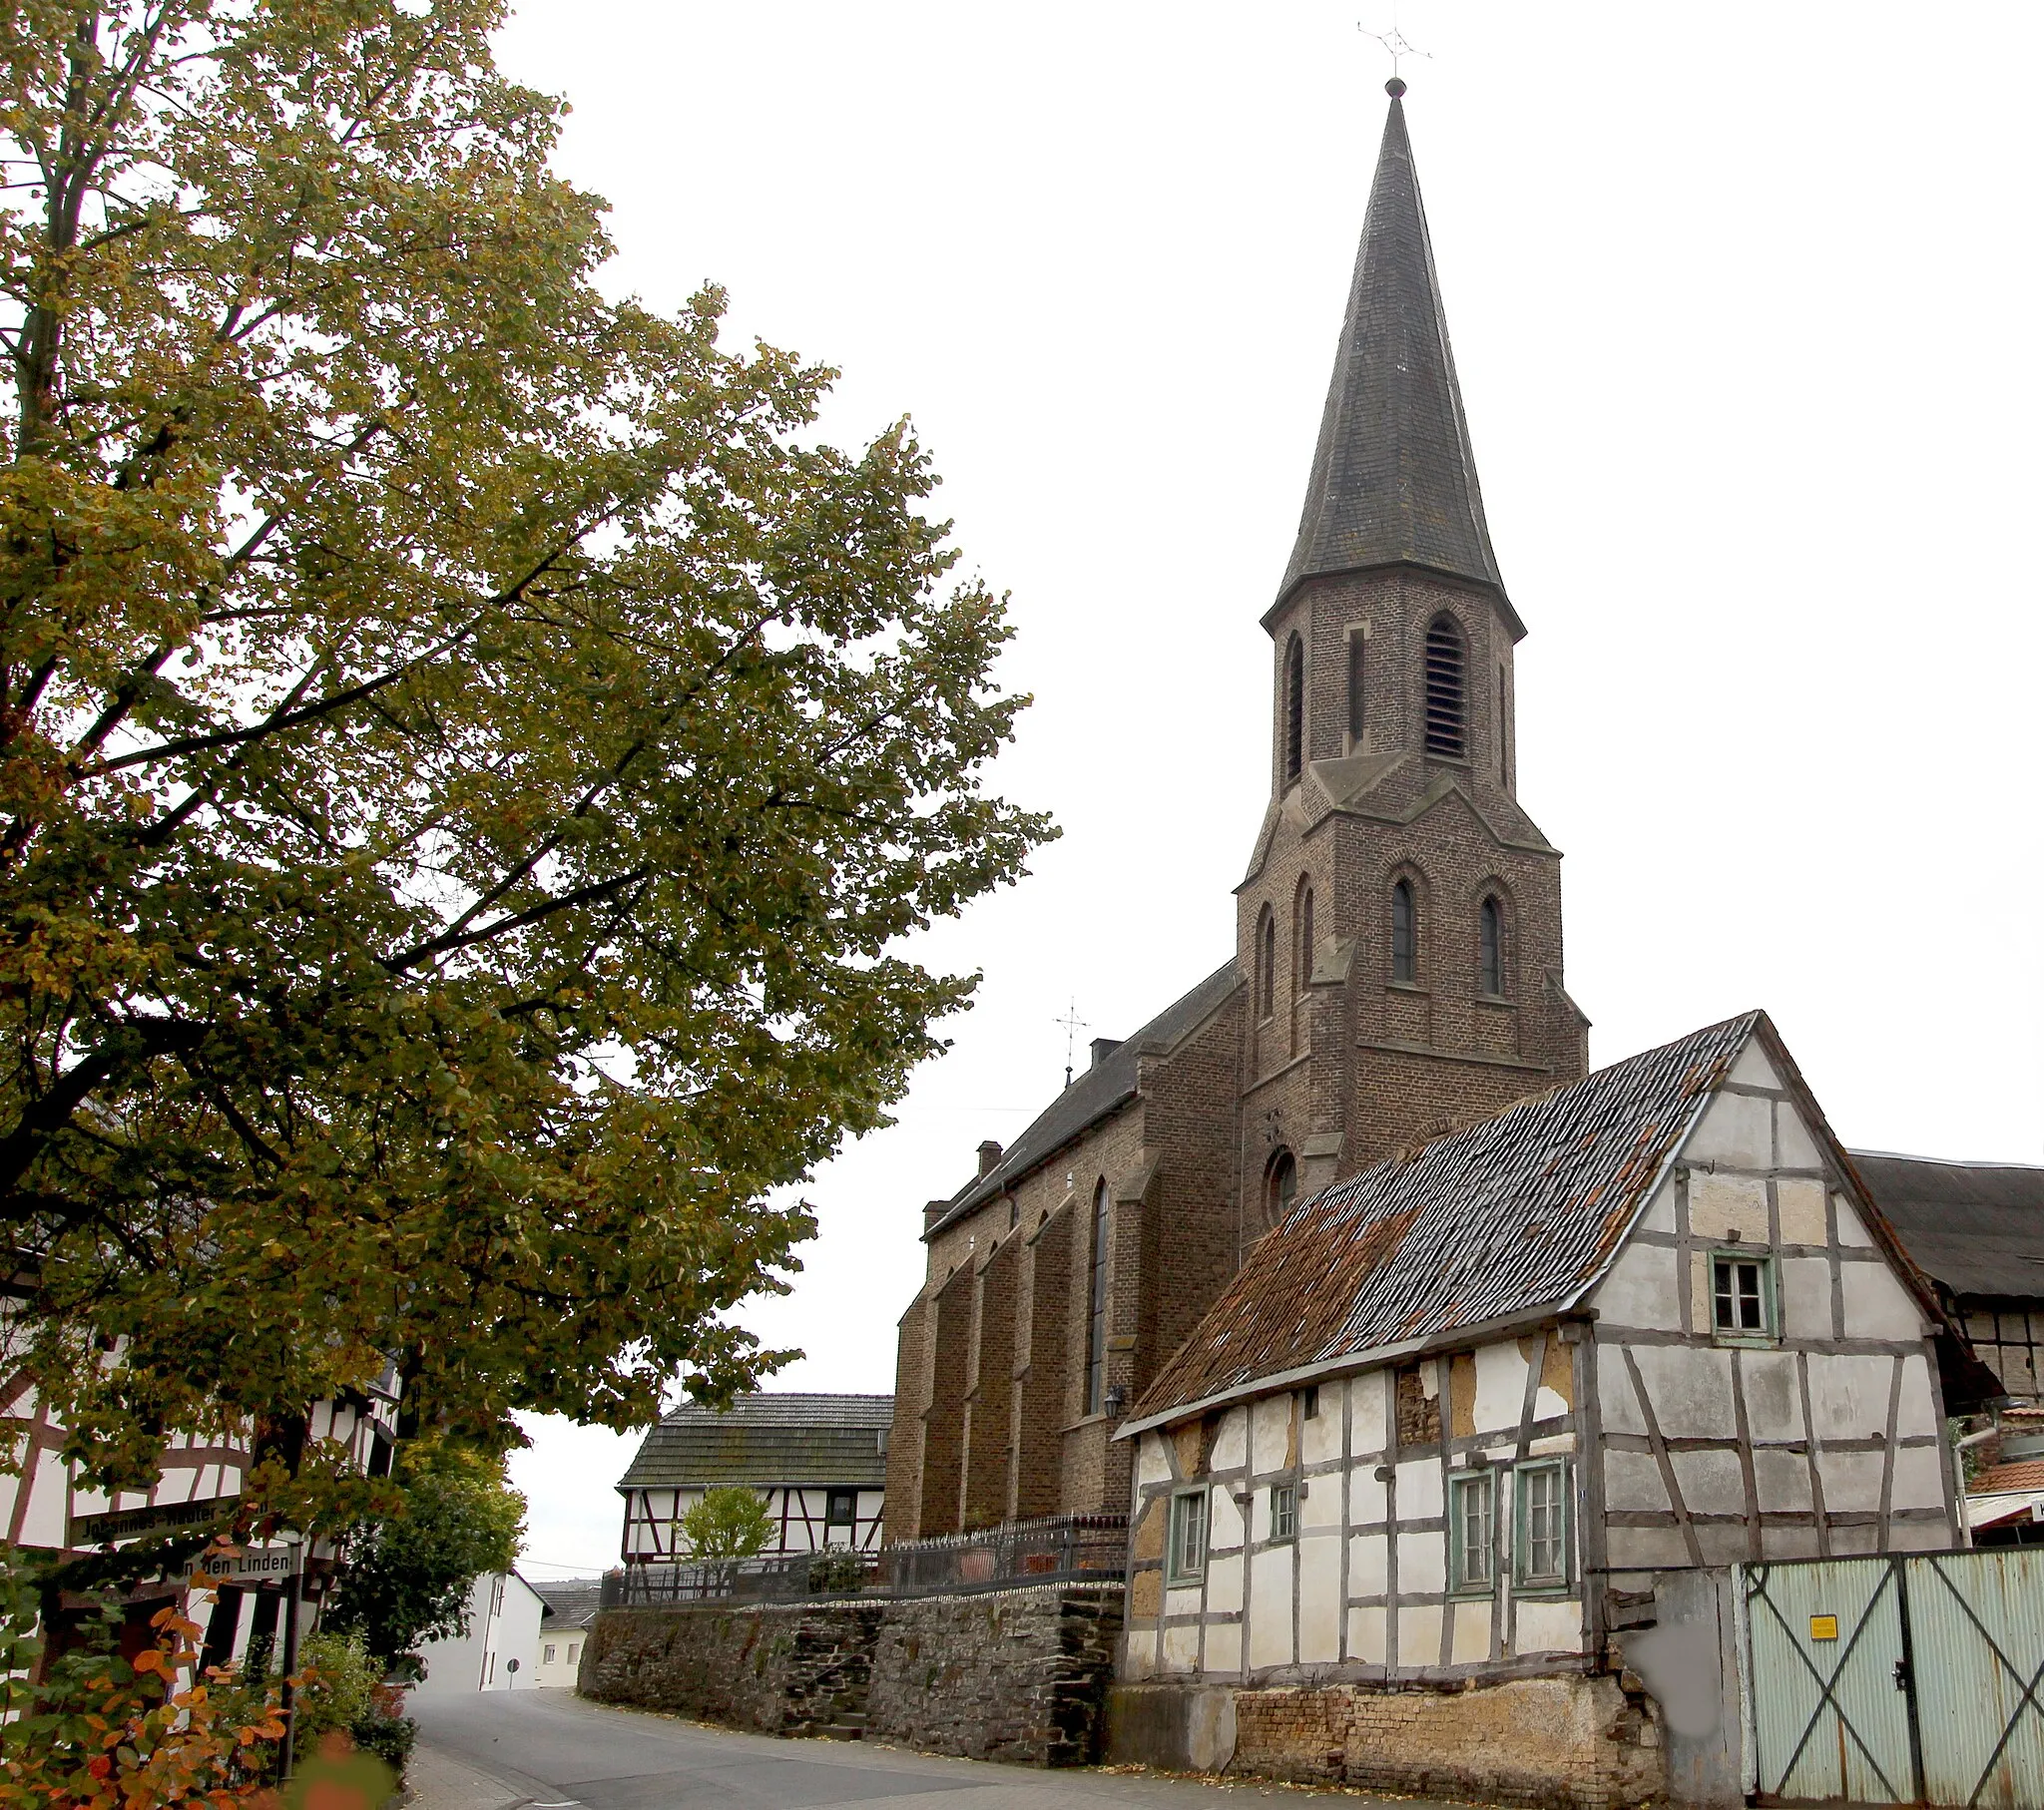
(551, 1750)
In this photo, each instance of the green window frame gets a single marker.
(1543, 1535)
(1472, 1533)
(1186, 1558)
(1745, 1298)
(1285, 1510)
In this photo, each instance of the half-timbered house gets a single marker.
(821, 1462)
(1454, 1413)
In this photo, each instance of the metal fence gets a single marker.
(1055, 1548)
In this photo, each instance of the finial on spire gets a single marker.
(1395, 88)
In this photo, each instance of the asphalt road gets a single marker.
(552, 1750)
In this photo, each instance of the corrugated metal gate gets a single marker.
(1899, 1680)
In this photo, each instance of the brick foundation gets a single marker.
(1567, 1743)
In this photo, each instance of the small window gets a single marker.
(1472, 1531)
(1285, 1510)
(1504, 728)
(1188, 1536)
(1543, 1543)
(1303, 966)
(1294, 708)
(1096, 1314)
(1490, 959)
(1267, 962)
(574, 1650)
(843, 1510)
(1357, 657)
(1446, 704)
(547, 1658)
(1309, 1401)
(1742, 1295)
(1404, 934)
(1280, 1187)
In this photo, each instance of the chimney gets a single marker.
(934, 1211)
(989, 1157)
(1103, 1048)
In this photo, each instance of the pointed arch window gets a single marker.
(1447, 701)
(1266, 965)
(1490, 953)
(1302, 962)
(1294, 708)
(1095, 1303)
(1280, 1187)
(1404, 932)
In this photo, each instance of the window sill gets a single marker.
(1474, 1592)
(1747, 1341)
(1501, 1000)
(1407, 987)
(1191, 1581)
(1523, 1591)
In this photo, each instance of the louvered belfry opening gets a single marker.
(1446, 689)
(1294, 709)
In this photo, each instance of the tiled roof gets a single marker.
(1996, 1480)
(1978, 1227)
(768, 1439)
(1092, 1096)
(571, 1602)
(1394, 476)
(1518, 1212)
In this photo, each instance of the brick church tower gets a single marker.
(1399, 927)
(1397, 966)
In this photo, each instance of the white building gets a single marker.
(820, 1461)
(497, 1652)
(1455, 1414)
(571, 1606)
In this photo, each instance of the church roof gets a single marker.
(1978, 1227)
(1394, 475)
(765, 1439)
(1103, 1088)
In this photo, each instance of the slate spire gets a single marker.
(1393, 477)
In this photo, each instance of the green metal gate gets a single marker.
(1899, 1680)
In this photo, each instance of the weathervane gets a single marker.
(1073, 1025)
(1397, 44)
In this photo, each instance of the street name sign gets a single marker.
(250, 1565)
(137, 1524)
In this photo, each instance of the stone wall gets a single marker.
(794, 1668)
(1563, 1742)
(1018, 1675)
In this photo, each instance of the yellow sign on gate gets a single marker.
(1824, 1628)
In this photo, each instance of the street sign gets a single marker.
(250, 1565)
(136, 1524)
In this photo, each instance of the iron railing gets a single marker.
(1052, 1550)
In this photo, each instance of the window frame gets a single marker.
(1284, 1497)
(1186, 1505)
(1267, 966)
(1461, 1583)
(1404, 939)
(1769, 1333)
(1490, 947)
(1444, 689)
(1293, 751)
(547, 1657)
(1525, 1581)
(1097, 1301)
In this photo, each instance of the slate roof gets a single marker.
(768, 1439)
(1092, 1096)
(572, 1603)
(1394, 475)
(1513, 1215)
(1978, 1227)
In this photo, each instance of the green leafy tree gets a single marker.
(407, 1575)
(469, 754)
(727, 1522)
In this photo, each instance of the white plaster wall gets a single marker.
(1549, 1626)
(1270, 1608)
(1500, 1386)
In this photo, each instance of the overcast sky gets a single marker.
(1744, 301)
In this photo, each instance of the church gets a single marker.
(1397, 967)
(1397, 974)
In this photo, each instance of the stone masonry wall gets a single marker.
(1561, 1742)
(1018, 1675)
(794, 1668)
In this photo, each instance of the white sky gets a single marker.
(1745, 302)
